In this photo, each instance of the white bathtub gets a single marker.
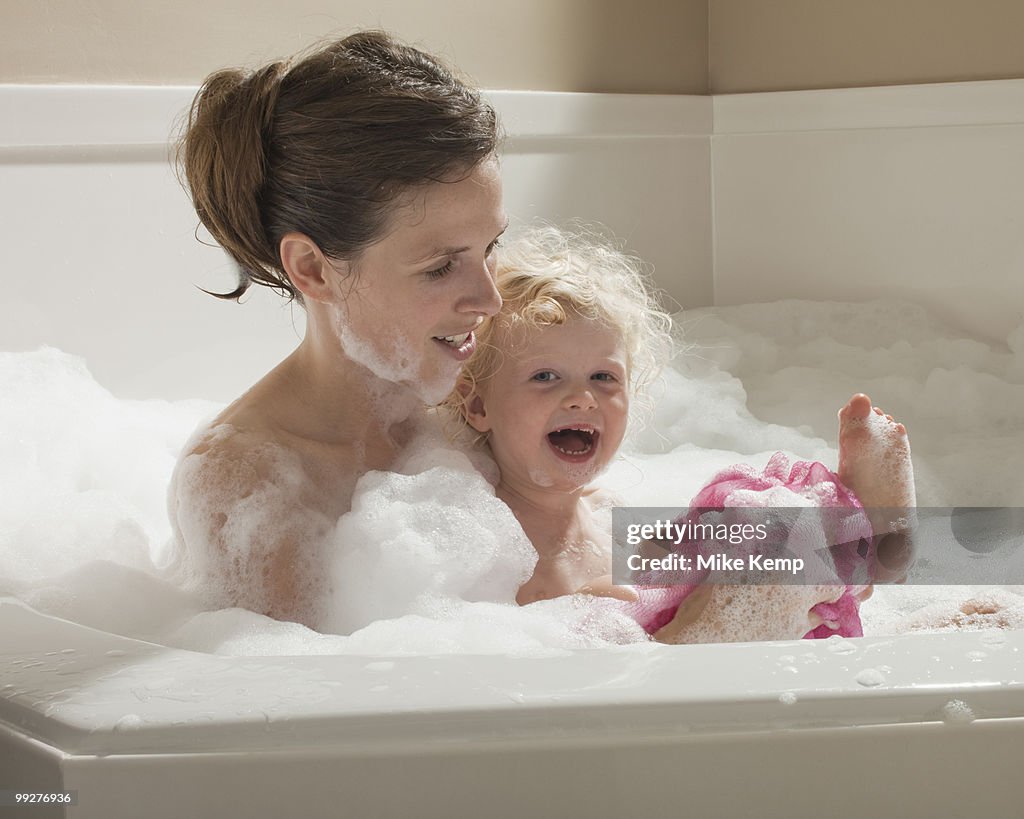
(912, 726)
(782, 729)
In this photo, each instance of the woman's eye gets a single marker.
(493, 246)
(441, 272)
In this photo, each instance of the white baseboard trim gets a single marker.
(36, 116)
(41, 116)
(994, 102)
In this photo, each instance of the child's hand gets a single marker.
(603, 587)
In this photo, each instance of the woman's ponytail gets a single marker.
(224, 157)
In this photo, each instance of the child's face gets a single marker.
(556, 410)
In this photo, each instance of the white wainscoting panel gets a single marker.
(914, 193)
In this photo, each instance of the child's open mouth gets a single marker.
(576, 443)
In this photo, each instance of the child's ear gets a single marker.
(476, 411)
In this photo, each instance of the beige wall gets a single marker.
(641, 46)
(776, 45)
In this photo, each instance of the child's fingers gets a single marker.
(604, 587)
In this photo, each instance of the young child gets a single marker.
(549, 390)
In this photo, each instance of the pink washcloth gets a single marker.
(743, 486)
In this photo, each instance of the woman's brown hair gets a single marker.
(323, 146)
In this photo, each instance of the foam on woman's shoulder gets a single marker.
(246, 526)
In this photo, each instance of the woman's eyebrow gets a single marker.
(440, 251)
(451, 250)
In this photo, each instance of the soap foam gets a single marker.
(398, 359)
(234, 513)
(84, 532)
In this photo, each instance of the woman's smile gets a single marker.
(460, 347)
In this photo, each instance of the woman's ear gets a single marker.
(476, 411)
(306, 267)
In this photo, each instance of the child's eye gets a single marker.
(604, 377)
(545, 375)
(441, 272)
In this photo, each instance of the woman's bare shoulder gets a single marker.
(225, 464)
(229, 441)
(241, 509)
(230, 462)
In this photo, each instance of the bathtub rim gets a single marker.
(142, 700)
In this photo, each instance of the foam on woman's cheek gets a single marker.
(392, 358)
(395, 356)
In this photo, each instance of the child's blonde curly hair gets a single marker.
(547, 276)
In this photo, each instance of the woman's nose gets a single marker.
(484, 297)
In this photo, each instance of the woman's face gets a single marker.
(408, 310)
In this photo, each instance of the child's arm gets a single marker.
(604, 587)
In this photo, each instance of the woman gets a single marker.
(361, 181)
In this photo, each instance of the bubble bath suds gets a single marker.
(397, 358)
(428, 561)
